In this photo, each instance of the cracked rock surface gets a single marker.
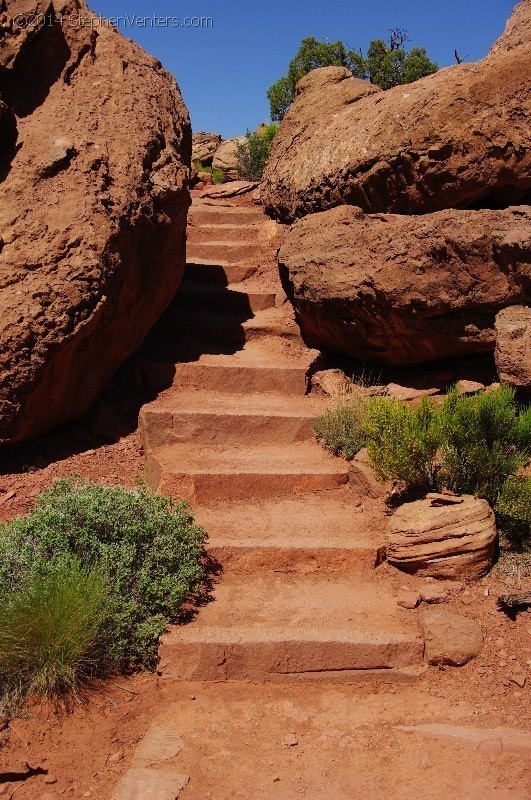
(94, 174)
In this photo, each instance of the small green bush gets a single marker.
(469, 444)
(403, 441)
(486, 439)
(253, 154)
(341, 429)
(51, 632)
(514, 511)
(218, 176)
(147, 548)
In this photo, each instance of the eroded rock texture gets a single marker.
(93, 204)
(396, 289)
(513, 347)
(449, 541)
(458, 138)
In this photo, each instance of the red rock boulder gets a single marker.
(395, 289)
(93, 206)
(458, 138)
(513, 347)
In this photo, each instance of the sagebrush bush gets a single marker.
(513, 508)
(253, 154)
(486, 439)
(147, 548)
(403, 441)
(341, 429)
(52, 632)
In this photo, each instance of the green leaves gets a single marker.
(253, 154)
(385, 65)
(146, 547)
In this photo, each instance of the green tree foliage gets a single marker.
(310, 55)
(253, 154)
(386, 64)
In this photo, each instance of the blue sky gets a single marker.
(224, 70)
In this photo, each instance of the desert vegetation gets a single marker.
(386, 64)
(475, 444)
(218, 175)
(89, 580)
(253, 154)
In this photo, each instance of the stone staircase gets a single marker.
(231, 431)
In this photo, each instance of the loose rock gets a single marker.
(450, 639)
(450, 541)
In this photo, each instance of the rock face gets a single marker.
(225, 158)
(449, 638)
(93, 208)
(449, 541)
(395, 289)
(204, 146)
(458, 138)
(513, 347)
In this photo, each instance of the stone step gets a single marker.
(202, 473)
(234, 252)
(281, 627)
(231, 328)
(221, 299)
(221, 274)
(203, 214)
(217, 418)
(282, 535)
(259, 366)
(196, 234)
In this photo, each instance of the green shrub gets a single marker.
(514, 510)
(341, 429)
(218, 176)
(486, 439)
(253, 154)
(51, 632)
(147, 547)
(403, 441)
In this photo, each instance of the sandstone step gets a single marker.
(232, 328)
(217, 418)
(202, 473)
(323, 532)
(259, 366)
(220, 274)
(221, 299)
(223, 232)
(287, 628)
(203, 214)
(234, 252)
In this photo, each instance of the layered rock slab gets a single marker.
(394, 289)
(458, 138)
(92, 211)
(447, 541)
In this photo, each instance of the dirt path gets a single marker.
(294, 681)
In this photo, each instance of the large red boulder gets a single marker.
(394, 289)
(458, 138)
(93, 207)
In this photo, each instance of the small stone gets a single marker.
(116, 757)
(408, 600)
(291, 740)
(518, 676)
(192, 697)
(276, 779)
(433, 595)
(50, 780)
